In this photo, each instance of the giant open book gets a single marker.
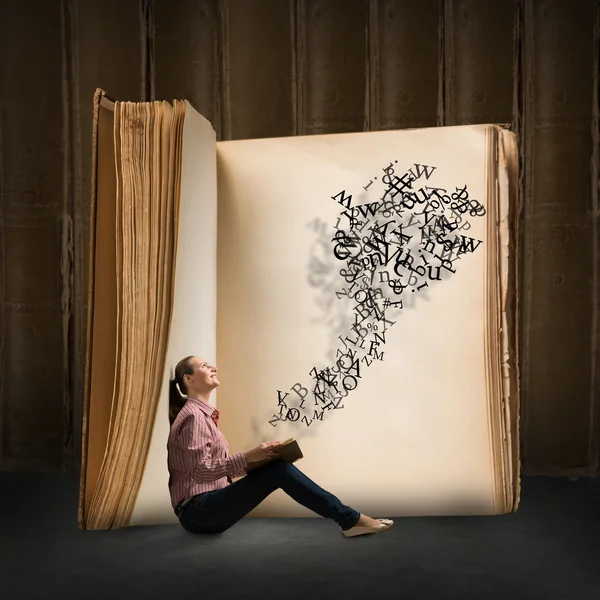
(357, 291)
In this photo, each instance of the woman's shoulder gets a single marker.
(187, 415)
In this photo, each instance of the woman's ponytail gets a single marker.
(177, 388)
(176, 401)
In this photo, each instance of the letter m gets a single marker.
(343, 200)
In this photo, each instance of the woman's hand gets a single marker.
(264, 451)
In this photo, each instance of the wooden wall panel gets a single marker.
(557, 332)
(332, 51)
(478, 62)
(259, 70)
(34, 355)
(405, 52)
(104, 51)
(188, 55)
(594, 425)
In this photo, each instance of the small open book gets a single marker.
(289, 452)
(358, 292)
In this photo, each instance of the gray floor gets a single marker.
(549, 549)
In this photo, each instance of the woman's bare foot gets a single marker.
(365, 521)
(366, 525)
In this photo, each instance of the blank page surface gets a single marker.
(413, 437)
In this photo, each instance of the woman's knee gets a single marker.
(277, 468)
(274, 472)
(281, 466)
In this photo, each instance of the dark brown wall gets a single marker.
(263, 68)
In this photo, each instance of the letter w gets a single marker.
(420, 169)
(365, 209)
(467, 245)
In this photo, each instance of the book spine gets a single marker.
(34, 418)
(187, 41)
(86, 392)
(558, 268)
(478, 62)
(332, 51)
(94, 44)
(404, 48)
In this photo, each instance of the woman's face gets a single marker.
(204, 378)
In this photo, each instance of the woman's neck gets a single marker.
(200, 396)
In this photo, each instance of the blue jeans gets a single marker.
(214, 512)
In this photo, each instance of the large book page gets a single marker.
(413, 437)
(193, 320)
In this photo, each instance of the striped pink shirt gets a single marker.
(198, 458)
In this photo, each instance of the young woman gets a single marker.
(203, 495)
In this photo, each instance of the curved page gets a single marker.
(193, 321)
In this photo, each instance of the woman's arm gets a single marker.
(197, 443)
